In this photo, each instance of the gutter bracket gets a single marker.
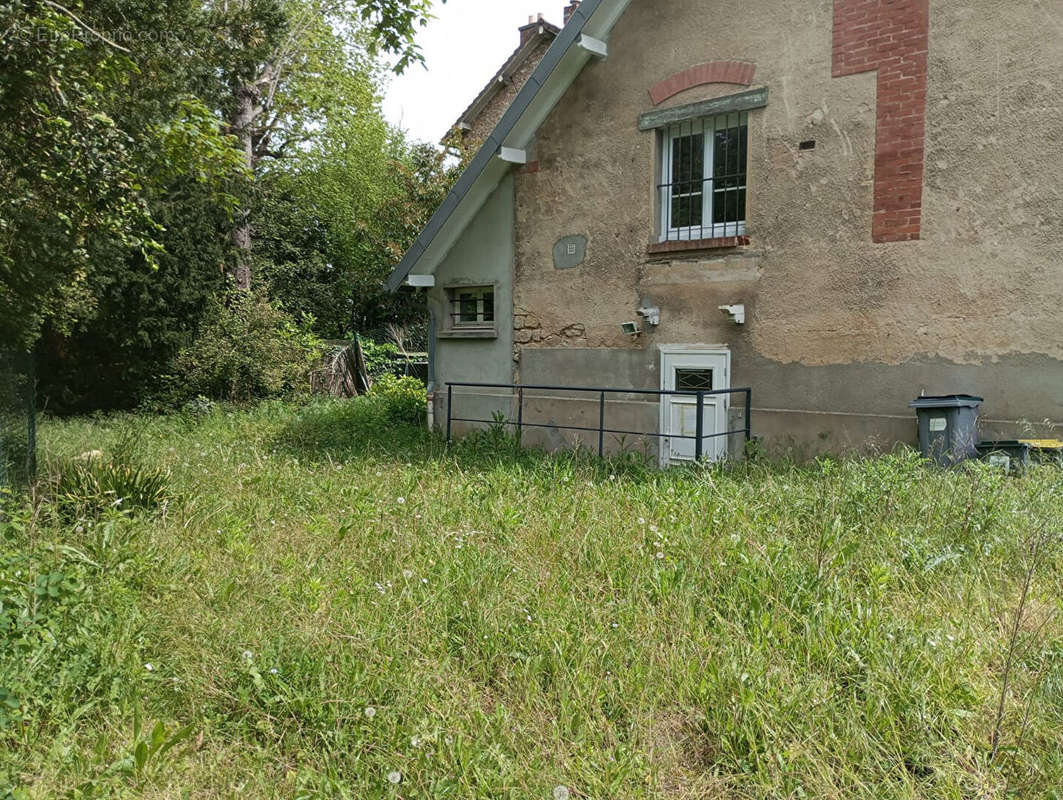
(512, 155)
(594, 46)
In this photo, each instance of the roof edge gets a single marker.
(504, 75)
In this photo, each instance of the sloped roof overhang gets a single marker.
(560, 66)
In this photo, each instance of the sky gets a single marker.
(464, 47)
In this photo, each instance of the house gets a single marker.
(477, 121)
(841, 204)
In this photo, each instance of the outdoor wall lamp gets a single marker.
(736, 313)
(651, 315)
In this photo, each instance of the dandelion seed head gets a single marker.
(660, 555)
(370, 712)
(407, 574)
(248, 655)
(400, 500)
(395, 777)
(562, 793)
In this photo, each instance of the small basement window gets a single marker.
(702, 193)
(472, 307)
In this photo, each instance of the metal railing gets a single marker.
(699, 436)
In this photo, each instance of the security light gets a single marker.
(630, 328)
(737, 313)
(651, 315)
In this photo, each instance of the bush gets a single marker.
(401, 399)
(90, 485)
(249, 349)
(379, 357)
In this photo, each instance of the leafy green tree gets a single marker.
(68, 179)
(289, 63)
(335, 220)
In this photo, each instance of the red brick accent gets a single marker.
(739, 72)
(892, 37)
(530, 168)
(697, 244)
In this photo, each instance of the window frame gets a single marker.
(707, 126)
(454, 312)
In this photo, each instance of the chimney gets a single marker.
(570, 10)
(531, 30)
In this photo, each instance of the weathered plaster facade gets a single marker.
(842, 330)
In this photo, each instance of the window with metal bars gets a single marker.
(702, 193)
(472, 307)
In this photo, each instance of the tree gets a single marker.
(334, 220)
(68, 182)
(284, 61)
(91, 133)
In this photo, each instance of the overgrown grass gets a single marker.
(330, 604)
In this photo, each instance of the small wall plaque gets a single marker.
(570, 251)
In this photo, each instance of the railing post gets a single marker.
(699, 444)
(601, 427)
(450, 406)
(520, 416)
(31, 415)
(749, 415)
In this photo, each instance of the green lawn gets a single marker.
(331, 607)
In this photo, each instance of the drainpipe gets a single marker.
(431, 369)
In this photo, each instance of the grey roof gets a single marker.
(481, 164)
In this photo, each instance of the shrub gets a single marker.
(249, 349)
(379, 357)
(400, 399)
(92, 483)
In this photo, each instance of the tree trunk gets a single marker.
(247, 111)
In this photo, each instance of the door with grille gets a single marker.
(693, 370)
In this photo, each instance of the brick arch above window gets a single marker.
(737, 72)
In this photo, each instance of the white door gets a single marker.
(693, 370)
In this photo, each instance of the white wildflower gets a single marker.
(149, 667)
(642, 521)
(660, 555)
(561, 793)
(370, 712)
(415, 741)
(395, 777)
(248, 655)
(400, 500)
(407, 573)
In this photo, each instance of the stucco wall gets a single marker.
(482, 256)
(835, 322)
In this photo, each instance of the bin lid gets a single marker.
(1006, 444)
(1044, 444)
(948, 401)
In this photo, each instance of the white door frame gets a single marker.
(670, 353)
